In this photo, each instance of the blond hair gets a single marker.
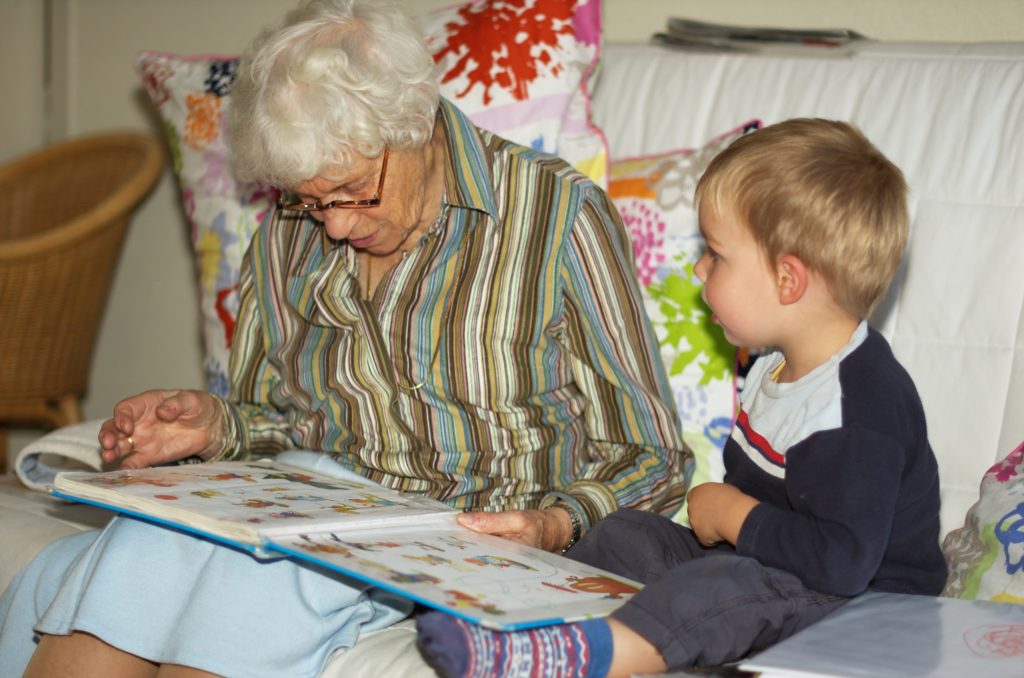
(818, 190)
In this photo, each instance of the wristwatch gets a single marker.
(575, 520)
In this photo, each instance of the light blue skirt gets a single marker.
(171, 597)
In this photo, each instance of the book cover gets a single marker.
(406, 543)
(893, 635)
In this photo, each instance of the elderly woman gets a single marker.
(436, 308)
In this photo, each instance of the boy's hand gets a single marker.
(717, 512)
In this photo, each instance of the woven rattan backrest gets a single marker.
(63, 215)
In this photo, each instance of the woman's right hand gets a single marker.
(157, 427)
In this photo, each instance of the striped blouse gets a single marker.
(505, 363)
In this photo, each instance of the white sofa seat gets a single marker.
(30, 520)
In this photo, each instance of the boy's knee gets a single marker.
(740, 578)
(637, 544)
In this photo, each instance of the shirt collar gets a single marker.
(468, 163)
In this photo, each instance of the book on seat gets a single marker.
(895, 635)
(406, 543)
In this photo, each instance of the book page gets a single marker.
(484, 579)
(243, 500)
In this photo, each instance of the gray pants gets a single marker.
(699, 606)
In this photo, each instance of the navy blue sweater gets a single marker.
(847, 481)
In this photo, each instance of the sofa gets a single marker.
(947, 114)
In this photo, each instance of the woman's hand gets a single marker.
(157, 427)
(717, 512)
(548, 529)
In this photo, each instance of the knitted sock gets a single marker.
(460, 649)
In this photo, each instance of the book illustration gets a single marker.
(612, 589)
(474, 575)
(407, 543)
(273, 498)
(996, 640)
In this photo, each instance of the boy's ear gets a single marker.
(793, 276)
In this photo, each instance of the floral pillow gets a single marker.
(986, 555)
(654, 195)
(533, 91)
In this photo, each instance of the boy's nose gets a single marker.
(700, 268)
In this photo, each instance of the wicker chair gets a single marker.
(64, 211)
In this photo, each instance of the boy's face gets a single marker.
(740, 287)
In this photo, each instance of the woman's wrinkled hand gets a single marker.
(548, 529)
(157, 427)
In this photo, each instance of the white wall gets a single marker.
(150, 333)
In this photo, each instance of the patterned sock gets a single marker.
(460, 649)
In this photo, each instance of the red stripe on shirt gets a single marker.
(758, 442)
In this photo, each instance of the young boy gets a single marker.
(831, 486)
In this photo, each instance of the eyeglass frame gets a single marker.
(318, 206)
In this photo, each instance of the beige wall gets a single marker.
(918, 20)
(22, 48)
(150, 334)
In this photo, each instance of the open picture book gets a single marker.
(405, 543)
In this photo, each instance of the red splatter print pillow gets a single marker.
(522, 69)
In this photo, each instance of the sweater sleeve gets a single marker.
(842, 487)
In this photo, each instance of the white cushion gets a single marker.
(30, 520)
(949, 116)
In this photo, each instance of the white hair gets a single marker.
(337, 78)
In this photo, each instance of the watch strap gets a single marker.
(575, 520)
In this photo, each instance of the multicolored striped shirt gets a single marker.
(506, 363)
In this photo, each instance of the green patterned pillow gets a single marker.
(654, 195)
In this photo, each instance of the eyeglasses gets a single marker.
(290, 201)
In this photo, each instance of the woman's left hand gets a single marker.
(548, 529)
